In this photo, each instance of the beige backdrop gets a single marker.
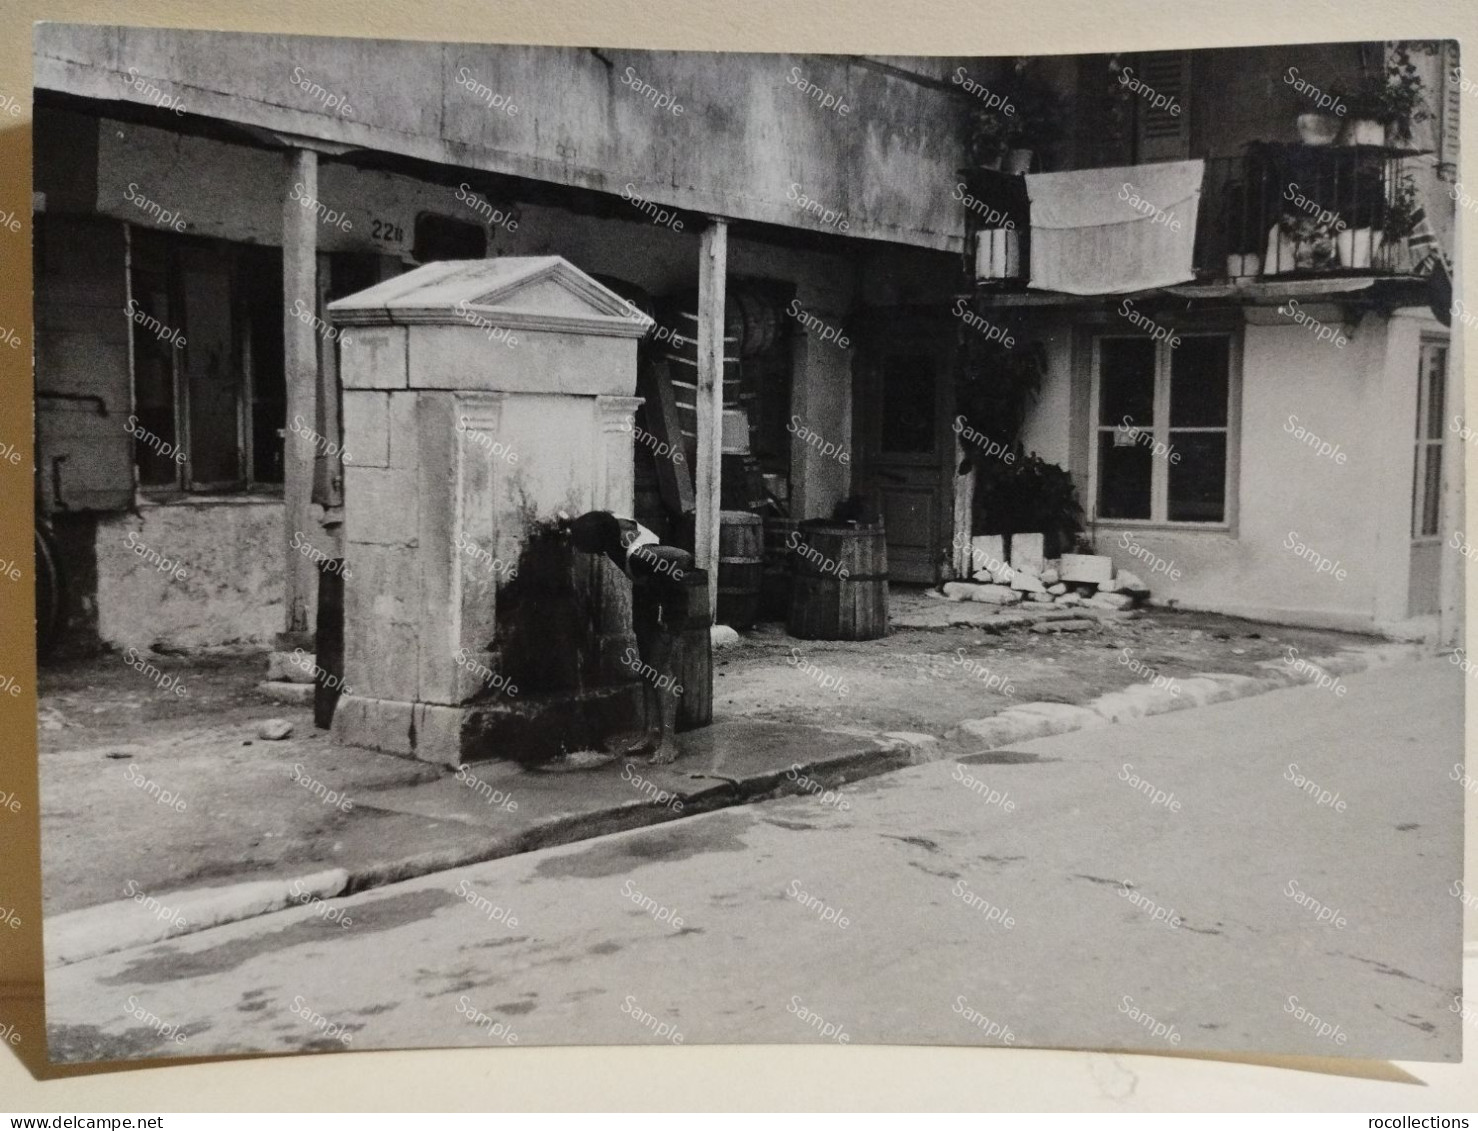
(742, 1078)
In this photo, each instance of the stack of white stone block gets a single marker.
(1028, 577)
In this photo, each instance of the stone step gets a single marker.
(297, 694)
(291, 667)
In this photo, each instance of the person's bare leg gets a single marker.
(635, 743)
(646, 630)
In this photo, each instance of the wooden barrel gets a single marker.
(741, 568)
(840, 583)
(695, 704)
(760, 318)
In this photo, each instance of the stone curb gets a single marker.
(94, 931)
(126, 923)
(110, 927)
(1141, 700)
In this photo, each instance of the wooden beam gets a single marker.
(674, 476)
(300, 370)
(713, 259)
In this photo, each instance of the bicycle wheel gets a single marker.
(50, 592)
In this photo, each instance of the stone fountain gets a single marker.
(482, 398)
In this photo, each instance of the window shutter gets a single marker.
(1161, 134)
(1448, 129)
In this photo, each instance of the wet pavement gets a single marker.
(925, 910)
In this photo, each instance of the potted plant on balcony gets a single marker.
(988, 131)
(1006, 137)
(1039, 110)
(1399, 214)
(1367, 113)
(1384, 105)
(1299, 242)
(1317, 127)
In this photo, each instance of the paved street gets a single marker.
(110, 742)
(981, 901)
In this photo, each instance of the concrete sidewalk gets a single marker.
(143, 872)
(1043, 886)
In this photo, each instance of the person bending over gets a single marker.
(658, 604)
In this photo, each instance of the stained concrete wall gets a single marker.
(231, 553)
(823, 402)
(747, 144)
(235, 192)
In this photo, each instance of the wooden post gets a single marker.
(300, 370)
(962, 560)
(712, 271)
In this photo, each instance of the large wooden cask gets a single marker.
(840, 583)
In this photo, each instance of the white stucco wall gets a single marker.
(1361, 396)
(1048, 430)
(1286, 489)
(231, 552)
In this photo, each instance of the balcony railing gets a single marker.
(1276, 211)
(1304, 211)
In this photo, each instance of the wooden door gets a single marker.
(905, 396)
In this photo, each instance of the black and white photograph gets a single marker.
(550, 545)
